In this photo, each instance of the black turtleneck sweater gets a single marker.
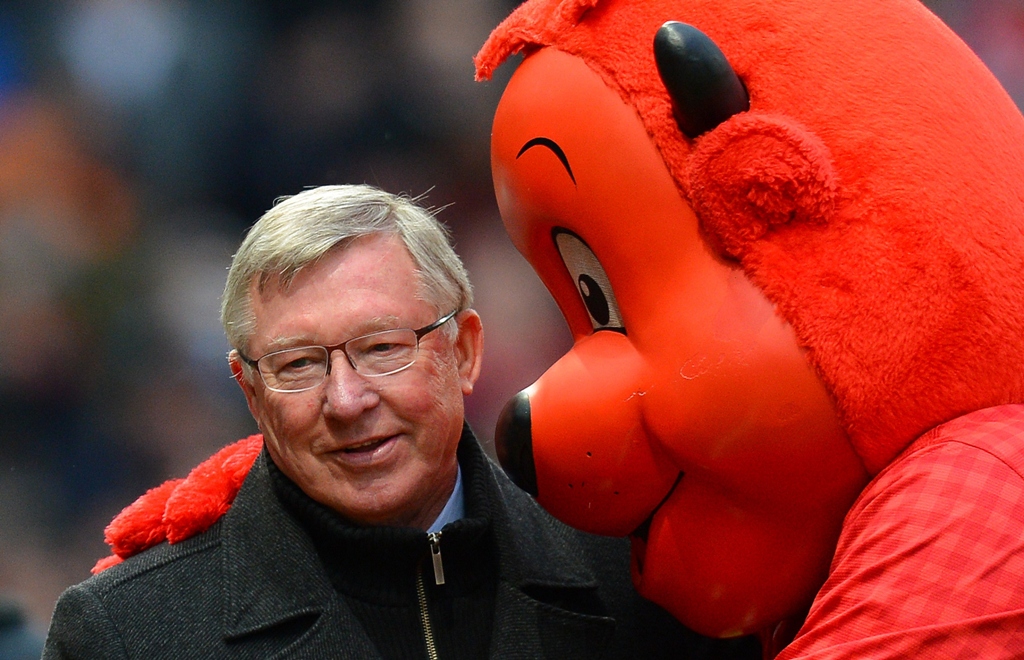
(375, 569)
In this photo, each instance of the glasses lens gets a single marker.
(382, 353)
(294, 369)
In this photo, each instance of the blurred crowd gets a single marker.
(140, 138)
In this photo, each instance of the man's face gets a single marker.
(379, 451)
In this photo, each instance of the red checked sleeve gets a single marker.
(930, 562)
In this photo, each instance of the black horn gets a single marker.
(703, 85)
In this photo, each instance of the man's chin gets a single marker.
(394, 498)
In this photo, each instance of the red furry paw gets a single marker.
(181, 508)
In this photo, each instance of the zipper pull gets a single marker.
(435, 556)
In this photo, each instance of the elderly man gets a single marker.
(371, 525)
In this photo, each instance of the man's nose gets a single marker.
(348, 393)
(514, 444)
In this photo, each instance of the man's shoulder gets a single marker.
(185, 560)
(162, 597)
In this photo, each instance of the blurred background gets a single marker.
(140, 138)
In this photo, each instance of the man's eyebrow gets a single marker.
(553, 146)
(369, 326)
(281, 343)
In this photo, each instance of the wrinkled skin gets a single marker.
(379, 451)
(686, 413)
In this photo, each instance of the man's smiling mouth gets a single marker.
(368, 446)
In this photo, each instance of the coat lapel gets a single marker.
(540, 567)
(278, 601)
(276, 594)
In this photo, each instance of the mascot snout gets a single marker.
(602, 475)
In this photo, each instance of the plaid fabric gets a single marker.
(930, 562)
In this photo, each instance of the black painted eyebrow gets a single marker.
(553, 146)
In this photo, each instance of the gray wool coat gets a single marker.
(252, 586)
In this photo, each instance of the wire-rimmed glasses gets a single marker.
(376, 354)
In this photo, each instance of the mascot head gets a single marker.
(788, 238)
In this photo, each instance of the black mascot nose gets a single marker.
(514, 445)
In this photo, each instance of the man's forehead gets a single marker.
(371, 254)
(341, 296)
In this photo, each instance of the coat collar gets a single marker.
(273, 575)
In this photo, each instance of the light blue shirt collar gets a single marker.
(455, 508)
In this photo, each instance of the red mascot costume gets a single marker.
(788, 238)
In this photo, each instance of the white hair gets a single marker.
(301, 229)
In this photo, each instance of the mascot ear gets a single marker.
(755, 173)
(749, 172)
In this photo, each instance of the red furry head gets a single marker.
(765, 313)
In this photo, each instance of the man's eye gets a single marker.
(384, 348)
(299, 364)
(296, 363)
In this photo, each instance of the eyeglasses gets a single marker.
(376, 354)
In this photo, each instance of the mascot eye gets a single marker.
(591, 282)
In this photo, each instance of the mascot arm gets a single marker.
(181, 508)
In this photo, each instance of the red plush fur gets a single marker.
(181, 508)
(756, 173)
(874, 191)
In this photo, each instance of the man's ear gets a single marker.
(238, 372)
(469, 348)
